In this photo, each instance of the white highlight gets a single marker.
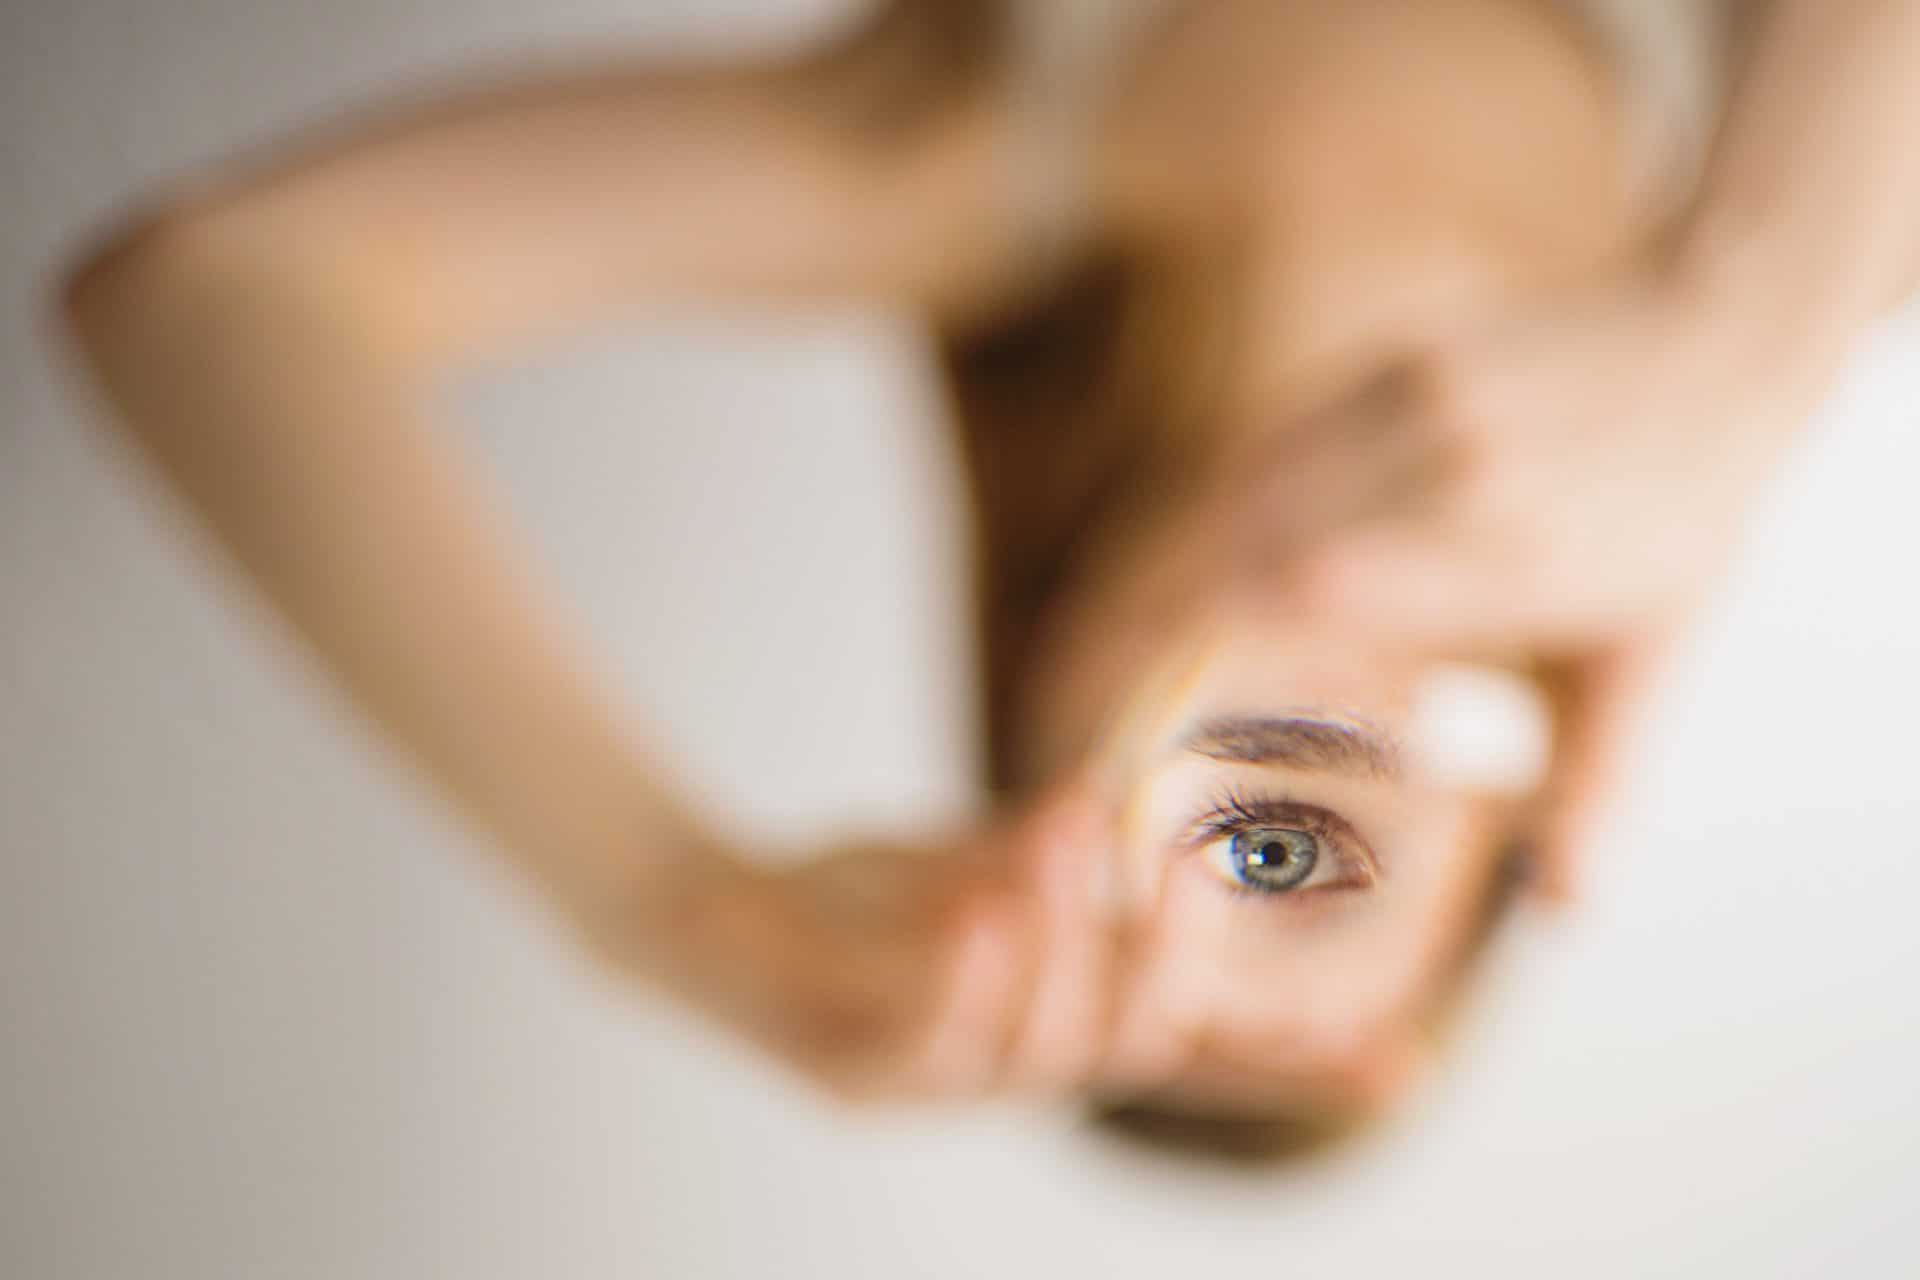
(1480, 728)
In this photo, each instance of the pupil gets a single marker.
(1276, 861)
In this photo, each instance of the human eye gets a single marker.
(1268, 845)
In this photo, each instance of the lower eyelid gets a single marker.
(1352, 871)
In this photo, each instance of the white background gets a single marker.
(267, 1015)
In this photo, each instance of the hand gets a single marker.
(1560, 493)
(983, 964)
(1570, 479)
(990, 965)
(1568, 490)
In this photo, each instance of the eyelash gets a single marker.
(1236, 810)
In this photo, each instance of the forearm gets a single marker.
(268, 334)
(1809, 217)
(271, 410)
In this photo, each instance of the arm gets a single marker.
(1566, 485)
(267, 340)
(1809, 217)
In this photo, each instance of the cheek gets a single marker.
(1279, 989)
(1269, 989)
(1282, 999)
(1269, 1012)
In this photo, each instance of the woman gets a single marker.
(1166, 272)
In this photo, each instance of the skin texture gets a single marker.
(1263, 248)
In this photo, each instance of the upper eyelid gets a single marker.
(1214, 827)
(1236, 810)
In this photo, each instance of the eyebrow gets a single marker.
(1295, 742)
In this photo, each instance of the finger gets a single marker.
(1282, 546)
(958, 1052)
(1351, 463)
(1106, 661)
(1057, 1041)
(1150, 1036)
(1419, 585)
(1368, 457)
(1598, 702)
(997, 949)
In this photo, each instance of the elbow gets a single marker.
(196, 269)
(91, 274)
(120, 273)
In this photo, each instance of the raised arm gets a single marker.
(1809, 220)
(267, 336)
(1567, 483)
(869, 168)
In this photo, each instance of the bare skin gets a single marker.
(268, 335)
(1283, 282)
(1482, 506)
(1092, 418)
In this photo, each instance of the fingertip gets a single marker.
(1043, 845)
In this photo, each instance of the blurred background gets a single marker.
(266, 1013)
